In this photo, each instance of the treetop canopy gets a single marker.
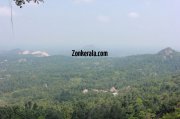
(21, 2)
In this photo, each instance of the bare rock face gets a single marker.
(40, 54)
(34, 53)
(167, 53)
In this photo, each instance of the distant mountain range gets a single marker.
(37, 53)
(164, 53)
(103, 70)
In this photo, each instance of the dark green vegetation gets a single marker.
(21, 2)
(59, 87)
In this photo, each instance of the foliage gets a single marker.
(147, 87)
(21, 2)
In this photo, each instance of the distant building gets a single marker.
(113, 89)
(115, 94)
(85, 91)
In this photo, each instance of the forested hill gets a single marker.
(165, 61)
(133, 87)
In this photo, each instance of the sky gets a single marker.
(128, 26)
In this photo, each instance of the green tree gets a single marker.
(21, 2)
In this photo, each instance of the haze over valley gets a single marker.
(41, 79)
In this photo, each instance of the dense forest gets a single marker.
(61, 87)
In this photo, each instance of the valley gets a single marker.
(61, 87)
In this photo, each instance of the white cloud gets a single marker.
(133, 15)
(85, 1)
(104, 19)
(6, 11)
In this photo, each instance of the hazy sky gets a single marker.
(118, 24)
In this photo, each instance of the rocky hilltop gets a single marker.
(34, 53)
